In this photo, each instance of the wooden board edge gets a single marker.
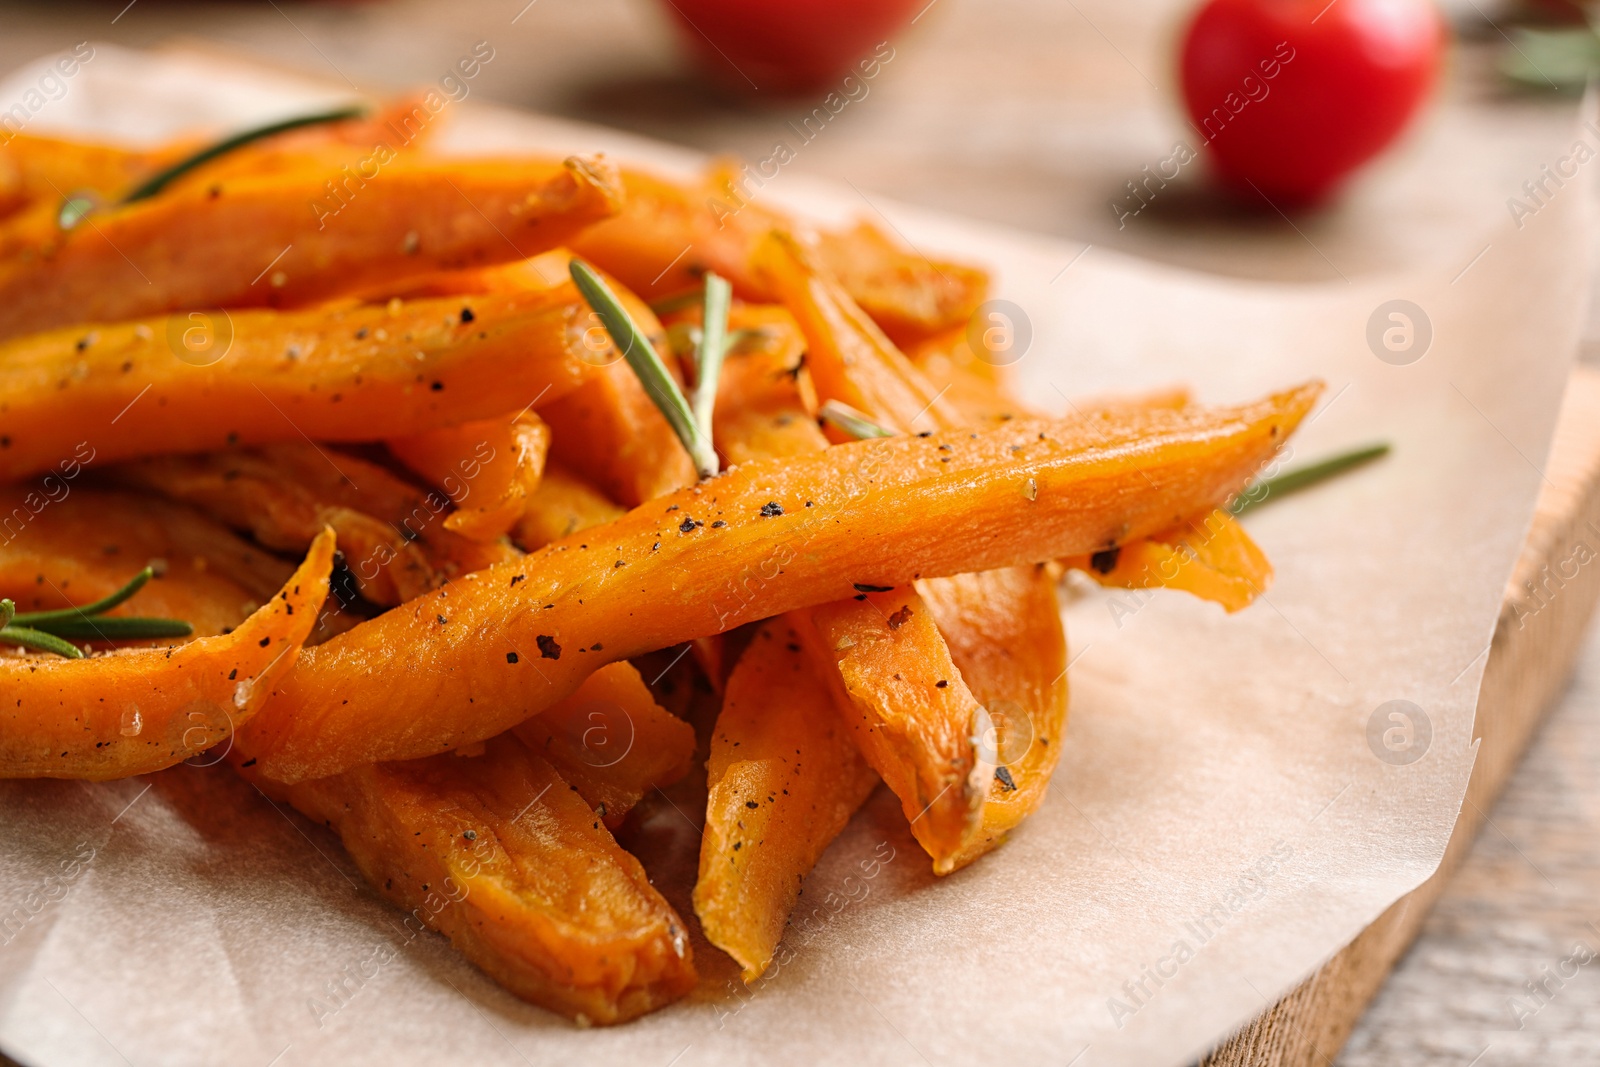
(1541, 628)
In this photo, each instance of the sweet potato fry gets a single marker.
(358, 374)
(669, 233)
(51, 169)
(391, 534)
(765, 403)
(608, 430)
(488, 468)
(910, 712)
(87, 545)
(612, 741)
(561, 504)
(973, 386)
(798, 531)
(253, 241)
(1211, 557)
(500, 856)
(138, 710)
(850, 358)
(784, 779)
(910, 297)
(1003, 629)
(907, 744)
(612, 433)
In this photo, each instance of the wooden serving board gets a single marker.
(1548, 604)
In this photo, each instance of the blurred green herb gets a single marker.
(851, 421)
(79, 206)
(1298, 478)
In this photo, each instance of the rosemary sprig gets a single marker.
(851, 421)
(1299, 478)
(711, 350)
(627, 335)
(78, 206)
(41, 620)
(44, 631)
(39, 641)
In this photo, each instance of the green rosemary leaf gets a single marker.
(45, 620)
(119, 628)
(663, 391)
(710, 352)
(39, 641)
(1299, 478)
(77, 207)
(159, 181)
(851, 421)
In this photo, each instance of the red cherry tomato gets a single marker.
(786, 46)
(1291, 96)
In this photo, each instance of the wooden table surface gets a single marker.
(1034, 114)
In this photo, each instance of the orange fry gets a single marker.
(392, 535)
(612, 741)
(804, 529)
(204, 381)
(87, 545)
(784, 779)
(1212, 558)
(138, 710)
(488, 468)
(500, 856)
(254, 241)
(560, 505)
(911, 714)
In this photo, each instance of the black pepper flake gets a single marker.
(518, 578)
(737, 845)
(688, 525)
(251, 762)
(925, 433)
(437, 387)
(861, 596)
(900, 618)
(548, 647)
(863, 587)
(620, 563)
(771, 509)
(442, 619)
(467, 316)
(233, 674)
(672, 507)
(719, 524)
(470, 835)
(751, 804)
(941, 684)
(1105, 562)
(511, 657)
(265, 641)
(655, 546)
(1004, 777)
(361, 334)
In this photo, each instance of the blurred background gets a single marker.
(1049, 116)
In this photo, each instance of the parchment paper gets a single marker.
(1233, 806)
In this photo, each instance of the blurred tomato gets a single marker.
(1293, 95)
(786, 46)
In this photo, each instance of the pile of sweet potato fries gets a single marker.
(531, 420)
